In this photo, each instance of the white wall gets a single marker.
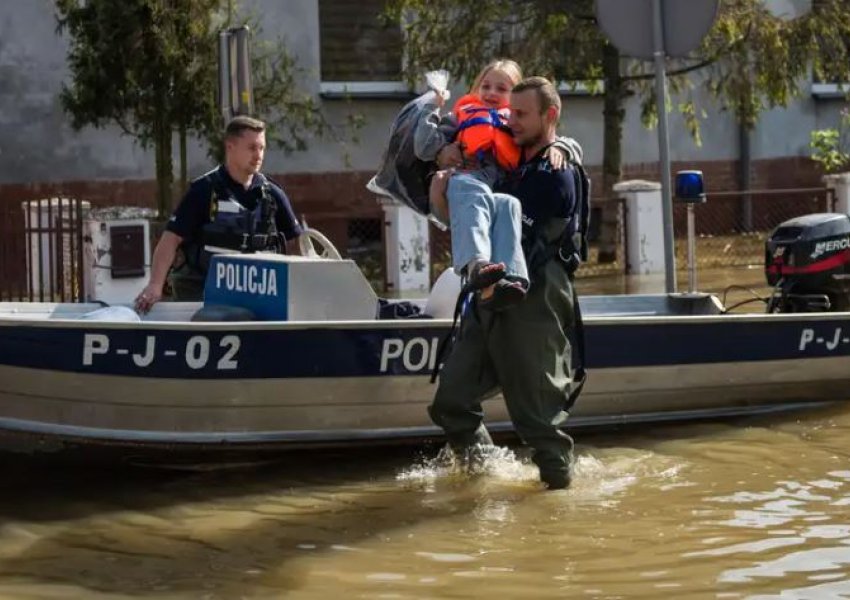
(36, 140)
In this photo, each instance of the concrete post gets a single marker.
(129, 227)
(839, 183)
(644, 226)
(407, 247)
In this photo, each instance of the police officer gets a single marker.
(529, 350)
(233, 206)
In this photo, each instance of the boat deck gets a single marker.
(648, 305)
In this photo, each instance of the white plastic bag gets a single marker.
(438, 82)
(114, 314)
(401, 175)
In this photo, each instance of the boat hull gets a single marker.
(254, 386)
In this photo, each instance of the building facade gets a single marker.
(352, 64)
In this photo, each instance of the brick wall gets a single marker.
(723, 175)
(329, 200)
(339, 205)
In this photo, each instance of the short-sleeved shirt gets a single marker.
(193, 212)
(543, 192)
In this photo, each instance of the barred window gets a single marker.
(356, 45)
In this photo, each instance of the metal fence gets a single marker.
(731, 227)
(613, 211)
(365, 246)
(359, 238)
(41, 250)
(41, 241)
(13, 262)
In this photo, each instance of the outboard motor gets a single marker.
(807, 260)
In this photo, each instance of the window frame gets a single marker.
(830, 91)
(581, 88)
(365, 89)
(375, 89)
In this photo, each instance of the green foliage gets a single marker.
(292, 117)
(554, 39)
(751, 60)
(144, 65)
(151, 67)
(831, 147)
(124, 58)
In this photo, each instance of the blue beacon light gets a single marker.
(690, 191)
(689, 187)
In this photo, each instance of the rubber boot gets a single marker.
(472, 450)
(555, 464)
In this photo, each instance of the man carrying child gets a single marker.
(528, 352)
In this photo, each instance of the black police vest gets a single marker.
(233, 226)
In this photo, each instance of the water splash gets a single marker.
(496, 462)
(596, 472)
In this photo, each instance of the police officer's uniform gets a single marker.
(531, 351)
(218, 211)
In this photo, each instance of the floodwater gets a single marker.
(737, 509)
(744, 508)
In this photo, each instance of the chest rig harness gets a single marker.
(234, 226)
(561, 238)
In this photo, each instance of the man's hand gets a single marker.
(450, 156)
(149, 296)
(437, 194)
(163, 258)
(557, 157)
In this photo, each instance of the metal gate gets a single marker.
(41, 250)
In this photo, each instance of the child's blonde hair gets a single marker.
(503, 65)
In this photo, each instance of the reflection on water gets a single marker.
(753, 508)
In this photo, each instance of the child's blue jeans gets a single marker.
(485, 226)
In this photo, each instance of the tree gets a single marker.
(831, 147)
(150, 66)
(751, 60)
(133, 63)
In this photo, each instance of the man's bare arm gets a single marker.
(293, 246)
(163, 258)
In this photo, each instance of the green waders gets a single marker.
(524, 351)
(187, 285)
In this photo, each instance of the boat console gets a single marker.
(274, 287)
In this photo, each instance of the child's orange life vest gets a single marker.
(484, 129)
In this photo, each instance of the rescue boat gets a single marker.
(290, 351)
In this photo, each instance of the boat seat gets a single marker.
(641, 305)
(215, 313)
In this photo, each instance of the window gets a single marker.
(581, 88)
(360, 55)
(822, 89)
(833, 51)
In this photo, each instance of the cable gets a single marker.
(755, 298)
(726, 309)
(742, 288)
(771, 305)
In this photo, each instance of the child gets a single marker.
(485, 227)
